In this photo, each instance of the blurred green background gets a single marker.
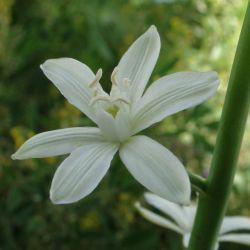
(196, 35)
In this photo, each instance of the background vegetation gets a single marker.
(196, 35)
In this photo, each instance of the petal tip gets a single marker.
(147, 195)
(215, 77)
(54, 199)
(152, 30)
(44, 66)
(57, 199)
(49, 62)
(14, 157)
(41, 67)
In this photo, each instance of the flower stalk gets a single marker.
(198, 183)
(212, 206)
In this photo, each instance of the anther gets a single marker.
(113, 76)
(97, 78)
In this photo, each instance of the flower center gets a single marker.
(113, 110)
(118, 97)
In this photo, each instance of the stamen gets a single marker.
(113, 76)
(121, 99)
(118, 94)
(98, 98)
(97, 78)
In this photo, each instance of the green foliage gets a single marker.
(195, 35)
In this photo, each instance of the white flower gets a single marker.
(180, 219)
(119, 116)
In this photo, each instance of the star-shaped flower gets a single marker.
(127, 110)
(180, 219)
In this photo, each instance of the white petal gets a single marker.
(72, 78)
(185, 240)
(173, 93)
(138, 62)
(156, 168)
(242, 238)
(157, 219)
(189, 212)
(114, 129)
(123, 125)
(174, 211)
(216, 246)
(233, 223)
(81, 172)
(57, 142)
(106, 123)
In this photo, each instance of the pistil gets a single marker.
(118, 95)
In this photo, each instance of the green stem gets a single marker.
(212, 206)
(198, 183)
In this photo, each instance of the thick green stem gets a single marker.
(212, 206)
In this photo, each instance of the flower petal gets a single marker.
(57, 142)
(233, 223)
(185, 240)
(138, 62)
(171, 94)
(72, 78)
(114, 129)
(189, 212)
(123, 125)
(156, 168)
(106, 123)
(174, 211)
(80, 173)
(157, 219)
(216, 247)
(242, 238)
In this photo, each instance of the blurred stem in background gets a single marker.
(212, 206)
